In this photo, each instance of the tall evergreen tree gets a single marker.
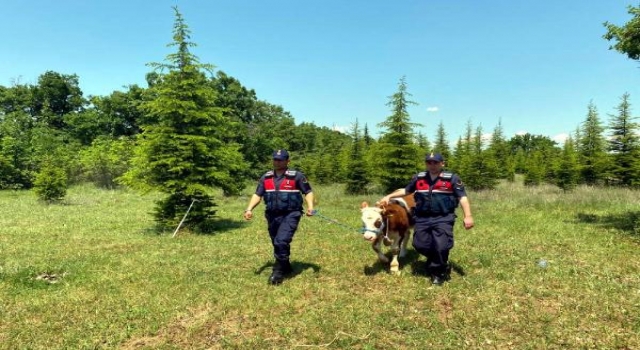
(568, 171)
(398, 162)
(183, 150)
(441, 144)
(461, 162)
(534, 173)
(624, 145)
(483, 170)
(423, 143)
(366, 137)
(592, 148)
(499, 149)
(357, 179)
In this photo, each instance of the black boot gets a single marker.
(439, 277)
(286, 267)
(276, 275)
(281, 268)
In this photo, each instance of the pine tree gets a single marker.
(535, 169)
(368, 140)
(441, 145)
(482, 173)
(568, 172)
(499, 149)
(398, 152)
(461, 162)
(519, 161)
(624, 145)
(423, 143)
(184, 149)
(592, 148)
(357, 179)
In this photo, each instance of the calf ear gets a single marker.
(364, 205)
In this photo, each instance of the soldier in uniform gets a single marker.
(283, 191)
(437, 194)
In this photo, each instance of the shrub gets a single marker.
(51, 181)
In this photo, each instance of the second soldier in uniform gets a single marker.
(283, 191)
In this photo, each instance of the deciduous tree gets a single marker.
(627, 37)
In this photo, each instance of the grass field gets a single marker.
(91, 273)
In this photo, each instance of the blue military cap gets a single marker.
(280, 154)
(437, 157)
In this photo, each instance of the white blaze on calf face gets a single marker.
(372, 221)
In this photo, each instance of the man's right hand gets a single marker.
(248, 214)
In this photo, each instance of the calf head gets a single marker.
(372, 221)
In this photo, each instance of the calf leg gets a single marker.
(405, 241)
(376, 248)
(394, 267)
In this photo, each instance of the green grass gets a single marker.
(92, 273)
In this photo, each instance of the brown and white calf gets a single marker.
(389, 224)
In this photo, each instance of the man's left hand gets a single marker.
(468, 222)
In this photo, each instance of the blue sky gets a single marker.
(533, 66)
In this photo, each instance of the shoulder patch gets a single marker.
(269, 173)
(290, 173)
(422, 174)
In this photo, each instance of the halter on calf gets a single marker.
(389, 224)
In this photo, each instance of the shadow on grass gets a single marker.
(378, 266)
(223, 225)
(628, 222)
(420, 268)
(211, 227)
(297, 266)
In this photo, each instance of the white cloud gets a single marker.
(433, 109)
(560, 138)
(342, 129)
(520, 133)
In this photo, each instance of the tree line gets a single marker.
(193, 129)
